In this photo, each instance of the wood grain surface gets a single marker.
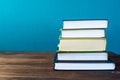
(39, 66)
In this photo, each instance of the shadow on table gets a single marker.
(115, 58)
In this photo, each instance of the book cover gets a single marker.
(82, 56)
(84, 65)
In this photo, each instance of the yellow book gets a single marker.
(82, 44)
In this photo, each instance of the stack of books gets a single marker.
(82, 46)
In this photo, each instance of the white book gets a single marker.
(82, 33)
(86, 56)
(84, 65)
(78, 24)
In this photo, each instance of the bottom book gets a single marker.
(63, 65)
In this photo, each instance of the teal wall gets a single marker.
(33, 25)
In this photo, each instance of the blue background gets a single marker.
(33, 25)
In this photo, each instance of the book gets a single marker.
(78, 24)
(82, 56)
(82, 33)
(82, 44)
(88, 65)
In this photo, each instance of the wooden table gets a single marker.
(39, 66)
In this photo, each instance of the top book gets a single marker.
(83, 24)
